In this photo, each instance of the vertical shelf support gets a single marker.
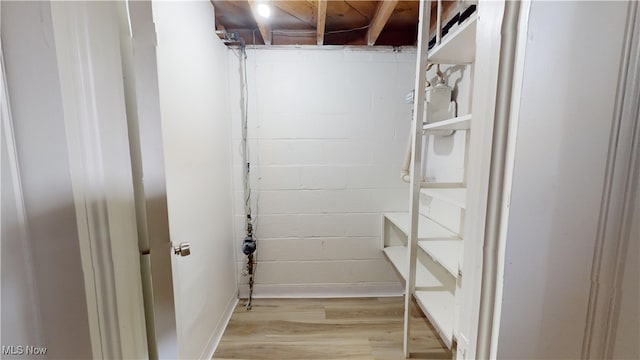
(416, 161)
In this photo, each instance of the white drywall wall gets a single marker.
(327, 134)
(192, 77)
(567, 104)
(34, 90)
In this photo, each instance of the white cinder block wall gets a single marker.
(327, 135)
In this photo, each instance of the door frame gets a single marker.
(88, 54)
(618, 201)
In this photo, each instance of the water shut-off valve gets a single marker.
(248, 245)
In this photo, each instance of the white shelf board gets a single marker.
(458, 46)
(438, 307)
(447, 253)
(456, 196)
(441, 185)
(398, 257)
(457, 123)
(427, 228)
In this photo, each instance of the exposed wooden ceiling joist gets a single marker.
(264, 28)
(322, 18)
(383, 13)
(329, 22)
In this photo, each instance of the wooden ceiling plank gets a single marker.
(301, 10)
(383, 13)
(322, 20)
(341, 16)
(264, 28)
(233, 14)
(279, 39)
(358, 5)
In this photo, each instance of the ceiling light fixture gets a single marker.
(264, 10)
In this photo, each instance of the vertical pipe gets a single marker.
(407, 158)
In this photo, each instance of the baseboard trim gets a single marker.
(323, 290)
(212, 345)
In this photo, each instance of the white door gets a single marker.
(194, 139)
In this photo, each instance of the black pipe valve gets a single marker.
(249, 245)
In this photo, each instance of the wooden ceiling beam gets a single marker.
(321, 22)
(383, 13)
(265, 29)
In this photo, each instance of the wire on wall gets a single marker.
(249, 244)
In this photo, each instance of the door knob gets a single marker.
(184, 249)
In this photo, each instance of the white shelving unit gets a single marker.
(458, 46)
(458, 123)
(397, 255)
(427, 228)
(438, 306)
(434, 294)
(446, 252)
(435, 247)
(455, 196)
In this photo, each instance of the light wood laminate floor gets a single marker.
(346, 328)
